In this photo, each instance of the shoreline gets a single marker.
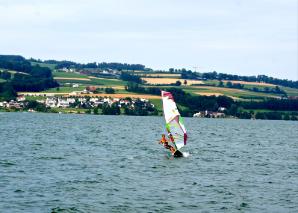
(84, 113)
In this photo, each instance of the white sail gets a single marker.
(174, 123)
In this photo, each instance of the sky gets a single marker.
(244, 37)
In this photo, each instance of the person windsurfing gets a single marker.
(170, 136)
(164, 141)
(172, 149)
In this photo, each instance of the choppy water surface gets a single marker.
(86, 163)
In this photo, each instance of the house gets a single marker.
(199, 115)
(14, 104)
(90, 88)
(51, 102)
(221, 109)
(21, 98)
(71, 100)
(62, 103)
(3, 104)
(217, 115)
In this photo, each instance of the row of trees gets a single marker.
(93, 65)
(275, 90)
(271, 104)
(125, 76)
(259, 78)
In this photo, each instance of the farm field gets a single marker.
(51, 66)
(155, 81)
(247, 85)
(250, 83)
(91, 81)
(234, 93)
(68, 75)
(290, 91)
(159, 75)
(76, 79)
(65, 89)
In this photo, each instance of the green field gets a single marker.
(68, 75)
(34, 98)
(245, 86)
(290, 91)
(108, 82)
(51, 66)
(158, 104)
(65, 89)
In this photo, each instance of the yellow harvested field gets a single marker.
(215, 94)
(219, 89)
(170, 81)
(79, 79)
(249, 83)
(160, 75)
(209, 93)
(124, 95)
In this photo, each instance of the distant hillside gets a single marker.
(93, 65)
(185, 74)
(20, 75)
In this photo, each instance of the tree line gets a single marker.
(188, 74)
(93, 65)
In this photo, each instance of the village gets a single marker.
(74, 102)
(88, 103)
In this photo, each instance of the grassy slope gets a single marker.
(51, 66)
(290, 91)
(158, 104)
(68, 75)
(246, 86)
(65, 89)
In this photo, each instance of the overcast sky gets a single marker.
(245, 37)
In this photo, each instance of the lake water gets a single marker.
(88, 163)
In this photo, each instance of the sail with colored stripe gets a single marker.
(174, 122)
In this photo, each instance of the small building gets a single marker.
(21, 98)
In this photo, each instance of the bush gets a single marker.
(109, 90)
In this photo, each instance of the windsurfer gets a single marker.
(164, 141)
(172, 149)
(171, 138)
